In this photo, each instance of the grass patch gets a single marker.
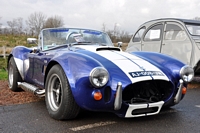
(14, 40)
(3, 63)
(3, 68)
(3, 74)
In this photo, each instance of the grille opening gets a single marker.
(107, 94)
(144, 111)
(147, 91)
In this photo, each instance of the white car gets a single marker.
(179, 38)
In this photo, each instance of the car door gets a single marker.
(38, 62)
(176, 42)
(153, 38)
(135, 42)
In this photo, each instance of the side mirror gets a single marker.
(31, 40)
(119, 44)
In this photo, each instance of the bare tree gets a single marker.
(15, 26)
(124, 37)
(54, 22)
(19, 25)
(5, 31)
(104, 27)
(36, 22)
(116, 35)
(12, 26)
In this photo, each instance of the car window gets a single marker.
(174, 32)
(138, 35)
(154, 34)
(193, 29)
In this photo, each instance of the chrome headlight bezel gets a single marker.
(187, 73)
(99, 77)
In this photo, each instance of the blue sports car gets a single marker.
(81, 69)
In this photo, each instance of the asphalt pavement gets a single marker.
(34, 118)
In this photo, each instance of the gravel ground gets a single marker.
(8, 97)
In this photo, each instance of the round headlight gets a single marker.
(187, 73)
(99, 77)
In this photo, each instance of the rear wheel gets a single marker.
(13, 75)
(59, 99)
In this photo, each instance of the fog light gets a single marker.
(184, 90)
(97, 95)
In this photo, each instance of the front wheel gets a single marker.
(60, 102)
(13, 75)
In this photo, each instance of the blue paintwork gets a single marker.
(92, 32)
(78, 63)
(20, 52)
(167, 64)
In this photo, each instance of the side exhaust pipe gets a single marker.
(31, 88)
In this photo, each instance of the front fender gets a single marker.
(77, 67)
(20, 55)
(20, 52)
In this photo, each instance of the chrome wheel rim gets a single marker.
(54, 92)
(10, 76)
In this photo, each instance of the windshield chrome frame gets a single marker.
(41, 38)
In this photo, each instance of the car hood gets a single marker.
(135, 68)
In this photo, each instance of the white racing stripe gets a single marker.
(88, 126)
(128, 63)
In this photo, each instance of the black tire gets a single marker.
(60, 102)
(13, 75)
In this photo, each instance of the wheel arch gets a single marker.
(50, 65)
(9, 60)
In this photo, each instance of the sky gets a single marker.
(127, 15)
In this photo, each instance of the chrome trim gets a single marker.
(178, 96)
(133, 107)
(118, 98)
(91, 76)
(10, 76)
(31, 88)
(187, 71)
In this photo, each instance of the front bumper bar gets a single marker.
(136, 110)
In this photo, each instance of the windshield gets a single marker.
(59, 36)
(193, 29)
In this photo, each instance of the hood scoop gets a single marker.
(108, 48)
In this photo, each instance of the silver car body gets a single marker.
(179, 38)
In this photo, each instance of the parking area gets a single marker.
(33, 117)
